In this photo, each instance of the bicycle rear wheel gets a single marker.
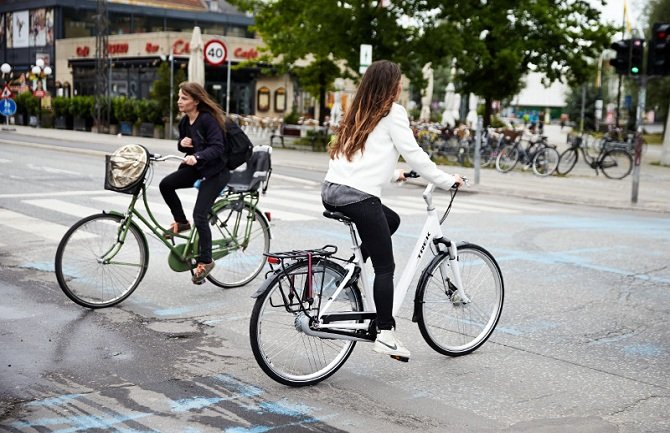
(616, 164)
(97, 264)
(545, 161)
(567, 161)
(507, 158)
(240, 237)
(449, 324)
(281, 347)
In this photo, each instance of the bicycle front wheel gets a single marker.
(99, 263)
(507, 158)
(545, 161)
(279, 342)
(455, 323)
(616, 164)
(567, 161)
(240, 237)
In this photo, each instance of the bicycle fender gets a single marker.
(265, 286)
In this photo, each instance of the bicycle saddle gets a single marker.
(337, 216)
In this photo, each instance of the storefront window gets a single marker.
(120, 24)
(78, 23)
(280, 100)
(263, 103)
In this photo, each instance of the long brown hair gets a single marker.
(205, 102)
(372, 102)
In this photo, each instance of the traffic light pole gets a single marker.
(641, 98)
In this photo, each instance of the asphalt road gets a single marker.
(582, 344)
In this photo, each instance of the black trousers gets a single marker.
(375, 224)
(209, 190)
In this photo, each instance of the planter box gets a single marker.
(291, 130)
(113, 129)
(62, 122)
(146, 130)
(33, 121)
(126, 128)
(81, 124)
(159, 131)
(20, 119)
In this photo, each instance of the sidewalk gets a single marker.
(581, 186)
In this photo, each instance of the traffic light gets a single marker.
(621, 62)
(659, 50)
(636, 56)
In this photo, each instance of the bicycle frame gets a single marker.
(185, 251)
(431, 233)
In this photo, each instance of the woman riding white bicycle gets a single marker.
(375, 131)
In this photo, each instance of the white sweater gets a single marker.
(374, 167)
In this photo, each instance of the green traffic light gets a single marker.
(635, 70)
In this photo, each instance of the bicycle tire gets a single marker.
(616, 163)
(507, 158)
(84, 277)
(567, 161)
(243, 257)
(545, 161)
(283, 351)
(452, 328)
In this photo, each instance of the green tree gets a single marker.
(320, 40)
(160, 88)
(497, 42)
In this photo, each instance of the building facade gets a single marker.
(61, 34)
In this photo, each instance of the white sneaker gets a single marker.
(387, 344)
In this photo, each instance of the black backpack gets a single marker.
(238, 146)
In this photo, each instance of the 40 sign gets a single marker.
(215, 52)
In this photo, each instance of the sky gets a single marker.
(613, 11)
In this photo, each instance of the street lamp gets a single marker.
(40, 74)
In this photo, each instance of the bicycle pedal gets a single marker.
(399, 358)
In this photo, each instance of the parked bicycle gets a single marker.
(537, 154)
(613, 160)
(314, 307)
(102, 258)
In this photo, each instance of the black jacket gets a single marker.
(208, 143)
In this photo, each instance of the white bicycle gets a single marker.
(310, 312)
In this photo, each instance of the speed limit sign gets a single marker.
(215, 52)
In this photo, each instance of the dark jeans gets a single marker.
(375, 224)
(209, 190)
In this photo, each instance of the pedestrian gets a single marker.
(374, 132)
(201, 139)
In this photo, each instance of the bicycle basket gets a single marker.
(125, 168)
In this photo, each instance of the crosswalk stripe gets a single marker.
(63, 206)
(34, 226)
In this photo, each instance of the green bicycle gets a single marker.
(102, 258)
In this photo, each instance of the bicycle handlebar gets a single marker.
(159, 157)
(413, 175)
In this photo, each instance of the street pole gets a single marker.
(170, 134)
(478, 146)
(581, 121)
(228, 89)
(641, 97)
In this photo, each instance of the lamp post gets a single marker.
(171, 59)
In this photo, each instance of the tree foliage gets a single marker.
(160, 89)
(495, 42)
